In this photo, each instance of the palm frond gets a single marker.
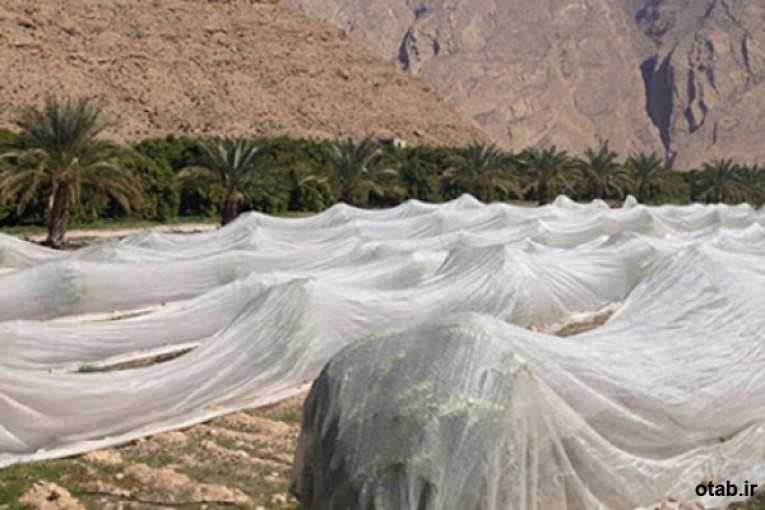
(17, 183)
(64, 128)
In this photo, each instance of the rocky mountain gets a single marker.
(681, 77)
(706, 79)
(223, 67)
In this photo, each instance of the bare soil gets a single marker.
(240, 461)
(76, 239)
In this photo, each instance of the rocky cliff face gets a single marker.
(705, 81)
(681, 77)
(223, 67)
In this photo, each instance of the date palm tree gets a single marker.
(647, 173)
(602, 173)
(482, 167)
(548, 169)
(63, 154)
(230, 163)
(752, 177)
(720, 181)
(360, 166)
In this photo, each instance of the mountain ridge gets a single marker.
(225, 68)
(573, 73)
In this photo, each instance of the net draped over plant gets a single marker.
(445, 387)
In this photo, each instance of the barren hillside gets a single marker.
(194, 66)
(682, 77)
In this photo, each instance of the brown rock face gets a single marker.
(706, 81)
(528, 73)
(681, 77)
(195, 66)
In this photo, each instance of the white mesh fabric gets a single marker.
(622, 416)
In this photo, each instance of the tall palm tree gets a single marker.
(720, 181)
(62, 154)
(482, 167)
(548, 169)
(601, 171)
(647, 172)
(231, 163)
(360, 166)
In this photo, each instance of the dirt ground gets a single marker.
(76, 239)
(240, 461)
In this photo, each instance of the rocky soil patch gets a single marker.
(240, 461)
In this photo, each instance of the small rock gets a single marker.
(165, 483)
(172, 438)
(105, 457)
(272, 479)
(49, 496)
(279, 499)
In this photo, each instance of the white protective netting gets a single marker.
(622, 416)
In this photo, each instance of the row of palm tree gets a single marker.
(726, 181)
(63, 155)
(543, 171)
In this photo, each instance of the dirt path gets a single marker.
(82, 238)
(181, 228)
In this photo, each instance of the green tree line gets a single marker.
(56, 167)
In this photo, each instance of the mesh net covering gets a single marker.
(469, 402)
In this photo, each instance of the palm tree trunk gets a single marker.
(643, 194)
(59, 215)
(598, 191)
(481, 191)
(230, 208)
(544, 193)
(350, 194)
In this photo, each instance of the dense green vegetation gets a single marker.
(61, 157)
(42, 171)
